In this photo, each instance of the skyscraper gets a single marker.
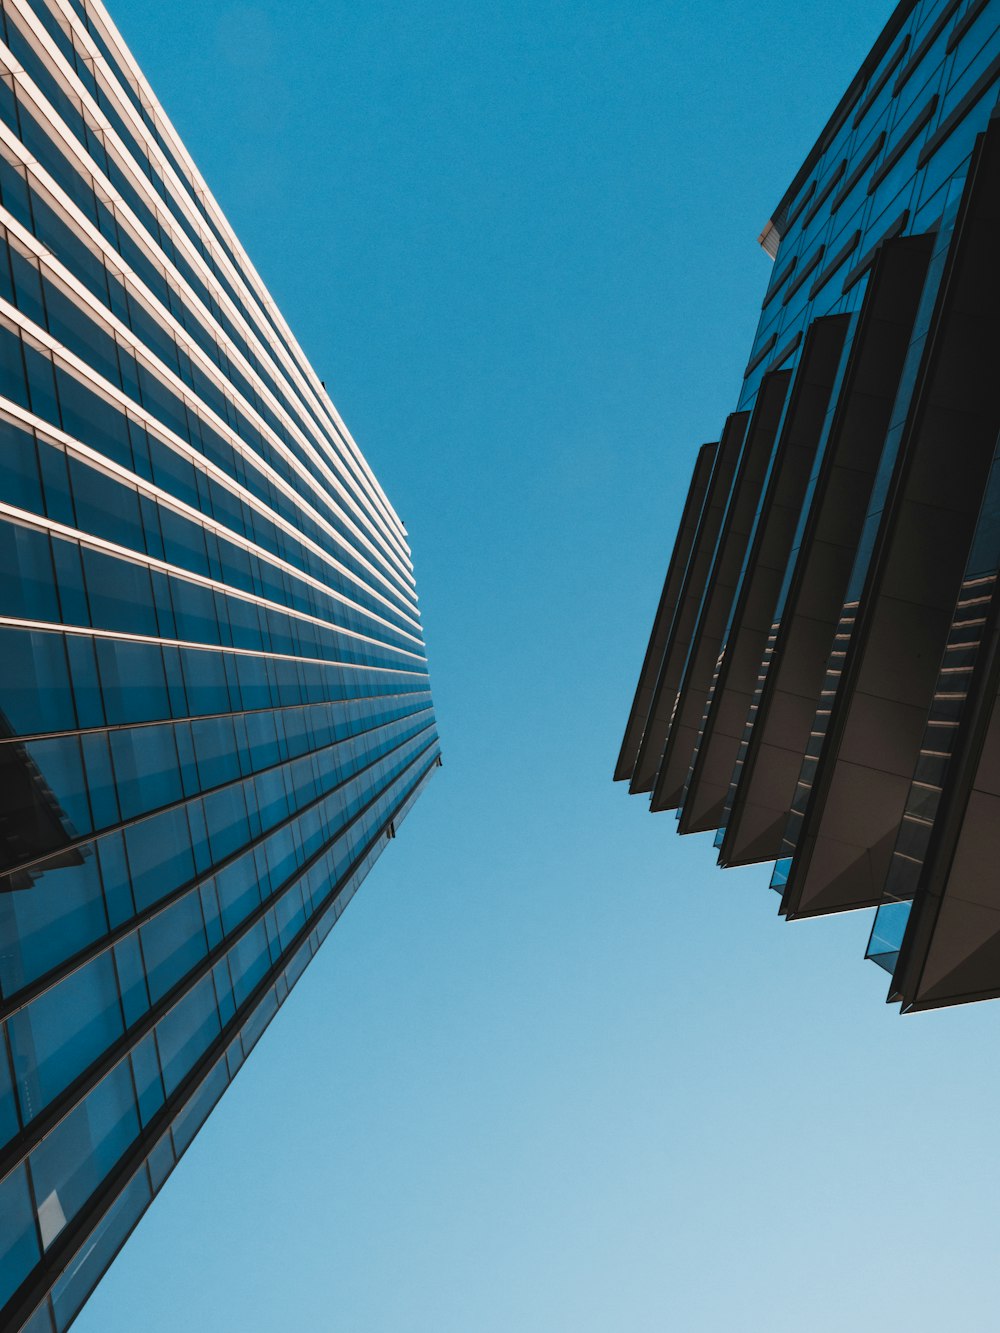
(214, 700)
(821, 680)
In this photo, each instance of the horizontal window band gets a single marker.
(60, 1253)
(936, 29)
(279, 686)
(825, 193)
(26, 518)
(855, 176)
(52, 435)
(965, 23)
(904, 144)
(164, 608)
(261, 327)
(868, 258)
(759, 356)
(27, 994)
(840, 258)
(876, 88)
(37, 864)
(28, 738)
(803, 274)
(958, 113)
(17, 622)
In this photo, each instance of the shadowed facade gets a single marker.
(828, 702)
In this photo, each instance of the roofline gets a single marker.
(843, 109)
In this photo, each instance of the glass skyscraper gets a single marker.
(214, 699)
(822, 681)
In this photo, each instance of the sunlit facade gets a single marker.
(821, 679)
(214, 699)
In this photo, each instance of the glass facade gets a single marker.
(819, 691)
(214, 697)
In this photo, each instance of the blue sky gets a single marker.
(553, 1070)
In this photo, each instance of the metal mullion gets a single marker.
(120, 636)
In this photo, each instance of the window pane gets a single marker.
(61, 1033)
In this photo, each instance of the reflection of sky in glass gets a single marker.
(887, 934)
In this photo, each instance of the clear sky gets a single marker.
(553, 1072)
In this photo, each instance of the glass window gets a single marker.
(259, 1019)
(172, 943)
(159, 855)
(8, 1108)
(58, 915)
(205, 679)
(148, 1083)
(19, 1251)
(80, 650)
(121, 597)
(57, 1036)
(146, 768)
(41, 383)
(55, 485)
(106, 507)
(133, 681)
(249, 959)
(34, 682)
(239, 894)
(290, 914)
(186, 1032)
(226, 817)
(215, 747)
(116, 879)
(92, 419)
(13, 382)
(69, 581)
(195, 612)
(196, 1110)
(70, 1163)
(49, 799)
(19, 482)
(100, 780)
(161, 1161)
(131, 978)
(27, 589)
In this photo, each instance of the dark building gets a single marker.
(821, 679)
(214, 700)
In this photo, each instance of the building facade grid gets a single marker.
(821, 681)
(214, 698)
